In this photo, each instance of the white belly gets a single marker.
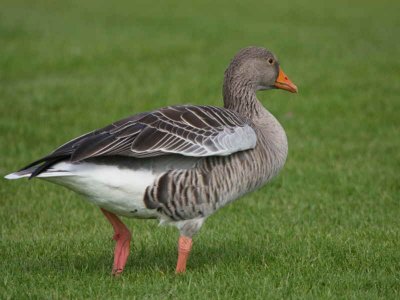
(119, 190)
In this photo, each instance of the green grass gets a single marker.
(327, 227)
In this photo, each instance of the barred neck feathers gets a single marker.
(240, 96)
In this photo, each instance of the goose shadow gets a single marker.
(145, 259)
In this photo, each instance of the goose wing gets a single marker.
(186, 130)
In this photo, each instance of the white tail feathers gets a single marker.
(58, 170)
(46, 174)
(16, 176)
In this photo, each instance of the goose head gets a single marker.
(253, 69)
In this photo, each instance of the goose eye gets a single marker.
(271, 61)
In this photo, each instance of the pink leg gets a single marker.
(184, 247)
(122, 236)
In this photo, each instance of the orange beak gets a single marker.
(284, 83)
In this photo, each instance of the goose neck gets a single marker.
(241, 97)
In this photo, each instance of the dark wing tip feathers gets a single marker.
(48, 163)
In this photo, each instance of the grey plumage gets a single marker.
(214, 181)
(240, 146)
(192, 159)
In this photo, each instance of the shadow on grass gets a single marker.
(147, 259)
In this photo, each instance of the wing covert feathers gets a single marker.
(186, 130)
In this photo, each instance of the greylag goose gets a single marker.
(178, 164)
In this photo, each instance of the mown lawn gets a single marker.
(327, 227)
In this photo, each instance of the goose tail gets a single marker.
(58, 170)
